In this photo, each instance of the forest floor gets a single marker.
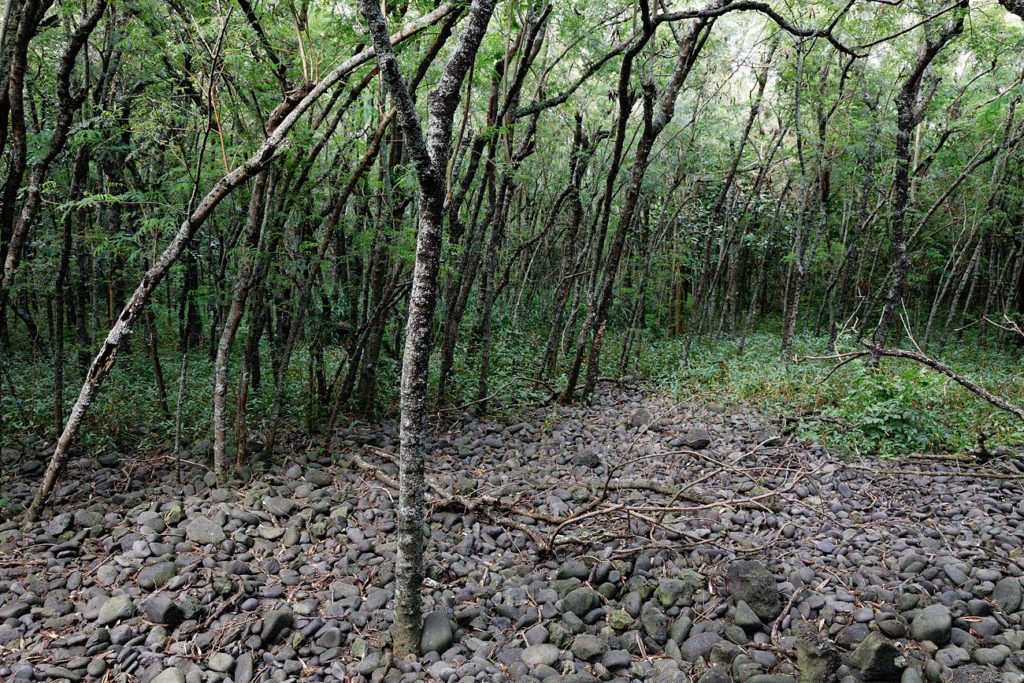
(636, 538)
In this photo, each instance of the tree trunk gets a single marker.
(430, 157)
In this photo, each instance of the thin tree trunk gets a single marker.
(430, 157)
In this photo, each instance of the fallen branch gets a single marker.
(973, 387)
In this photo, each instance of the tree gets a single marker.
(429, 154)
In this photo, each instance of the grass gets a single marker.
(899, 408)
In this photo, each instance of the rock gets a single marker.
(614, 660)
(59, 524)
(975, 674)
(279, 507)
(715, 674)
(699, 645)
(87, 519)
(275, 621)
(695, 439)
(171, 675)
(746, 619)
(437, 632)
(679, 591)
(750, 581)
(620, 620)
(1007, 594)
(204, 531)
(587, 458)
(817, 659)
(174, 515)
(243, 668)
(538, 655)
(162, 609)
(221, 662)
(155, 575)
(654, 623)
(934, 623)
(878, 659)
(573, 569)
(952, 656)
(579, 601)
(587, 647)
(116, 608)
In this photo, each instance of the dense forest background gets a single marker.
(701, 196)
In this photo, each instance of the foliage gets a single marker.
(894, 410)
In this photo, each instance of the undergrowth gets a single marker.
(899, 408)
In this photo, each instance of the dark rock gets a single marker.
(878, 659)
(750, 581)
(1007, 594)
(614, 660)
(934, 623)
(817, 659)
(437, 632)
(275, 621)
(162, 609)
(695, 439)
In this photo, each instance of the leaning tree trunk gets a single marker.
(107, 356)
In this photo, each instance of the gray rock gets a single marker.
(437, 632)
(162, 609)
(156, 575)
(59, 524)
(746, 619)
(279, 507)
(952, 656)
(579, 601)
(934, 623)
(220, 662)
(275, 621)
(537, 655)
(587, 647)
(1007, 594)
(878, 659)
(989, 655)
(243, 668)
(204, 531)
(817, 659)
(750, 581)
(171, 675)
(116, 608)
(699, 645)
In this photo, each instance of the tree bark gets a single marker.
(430, 157)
